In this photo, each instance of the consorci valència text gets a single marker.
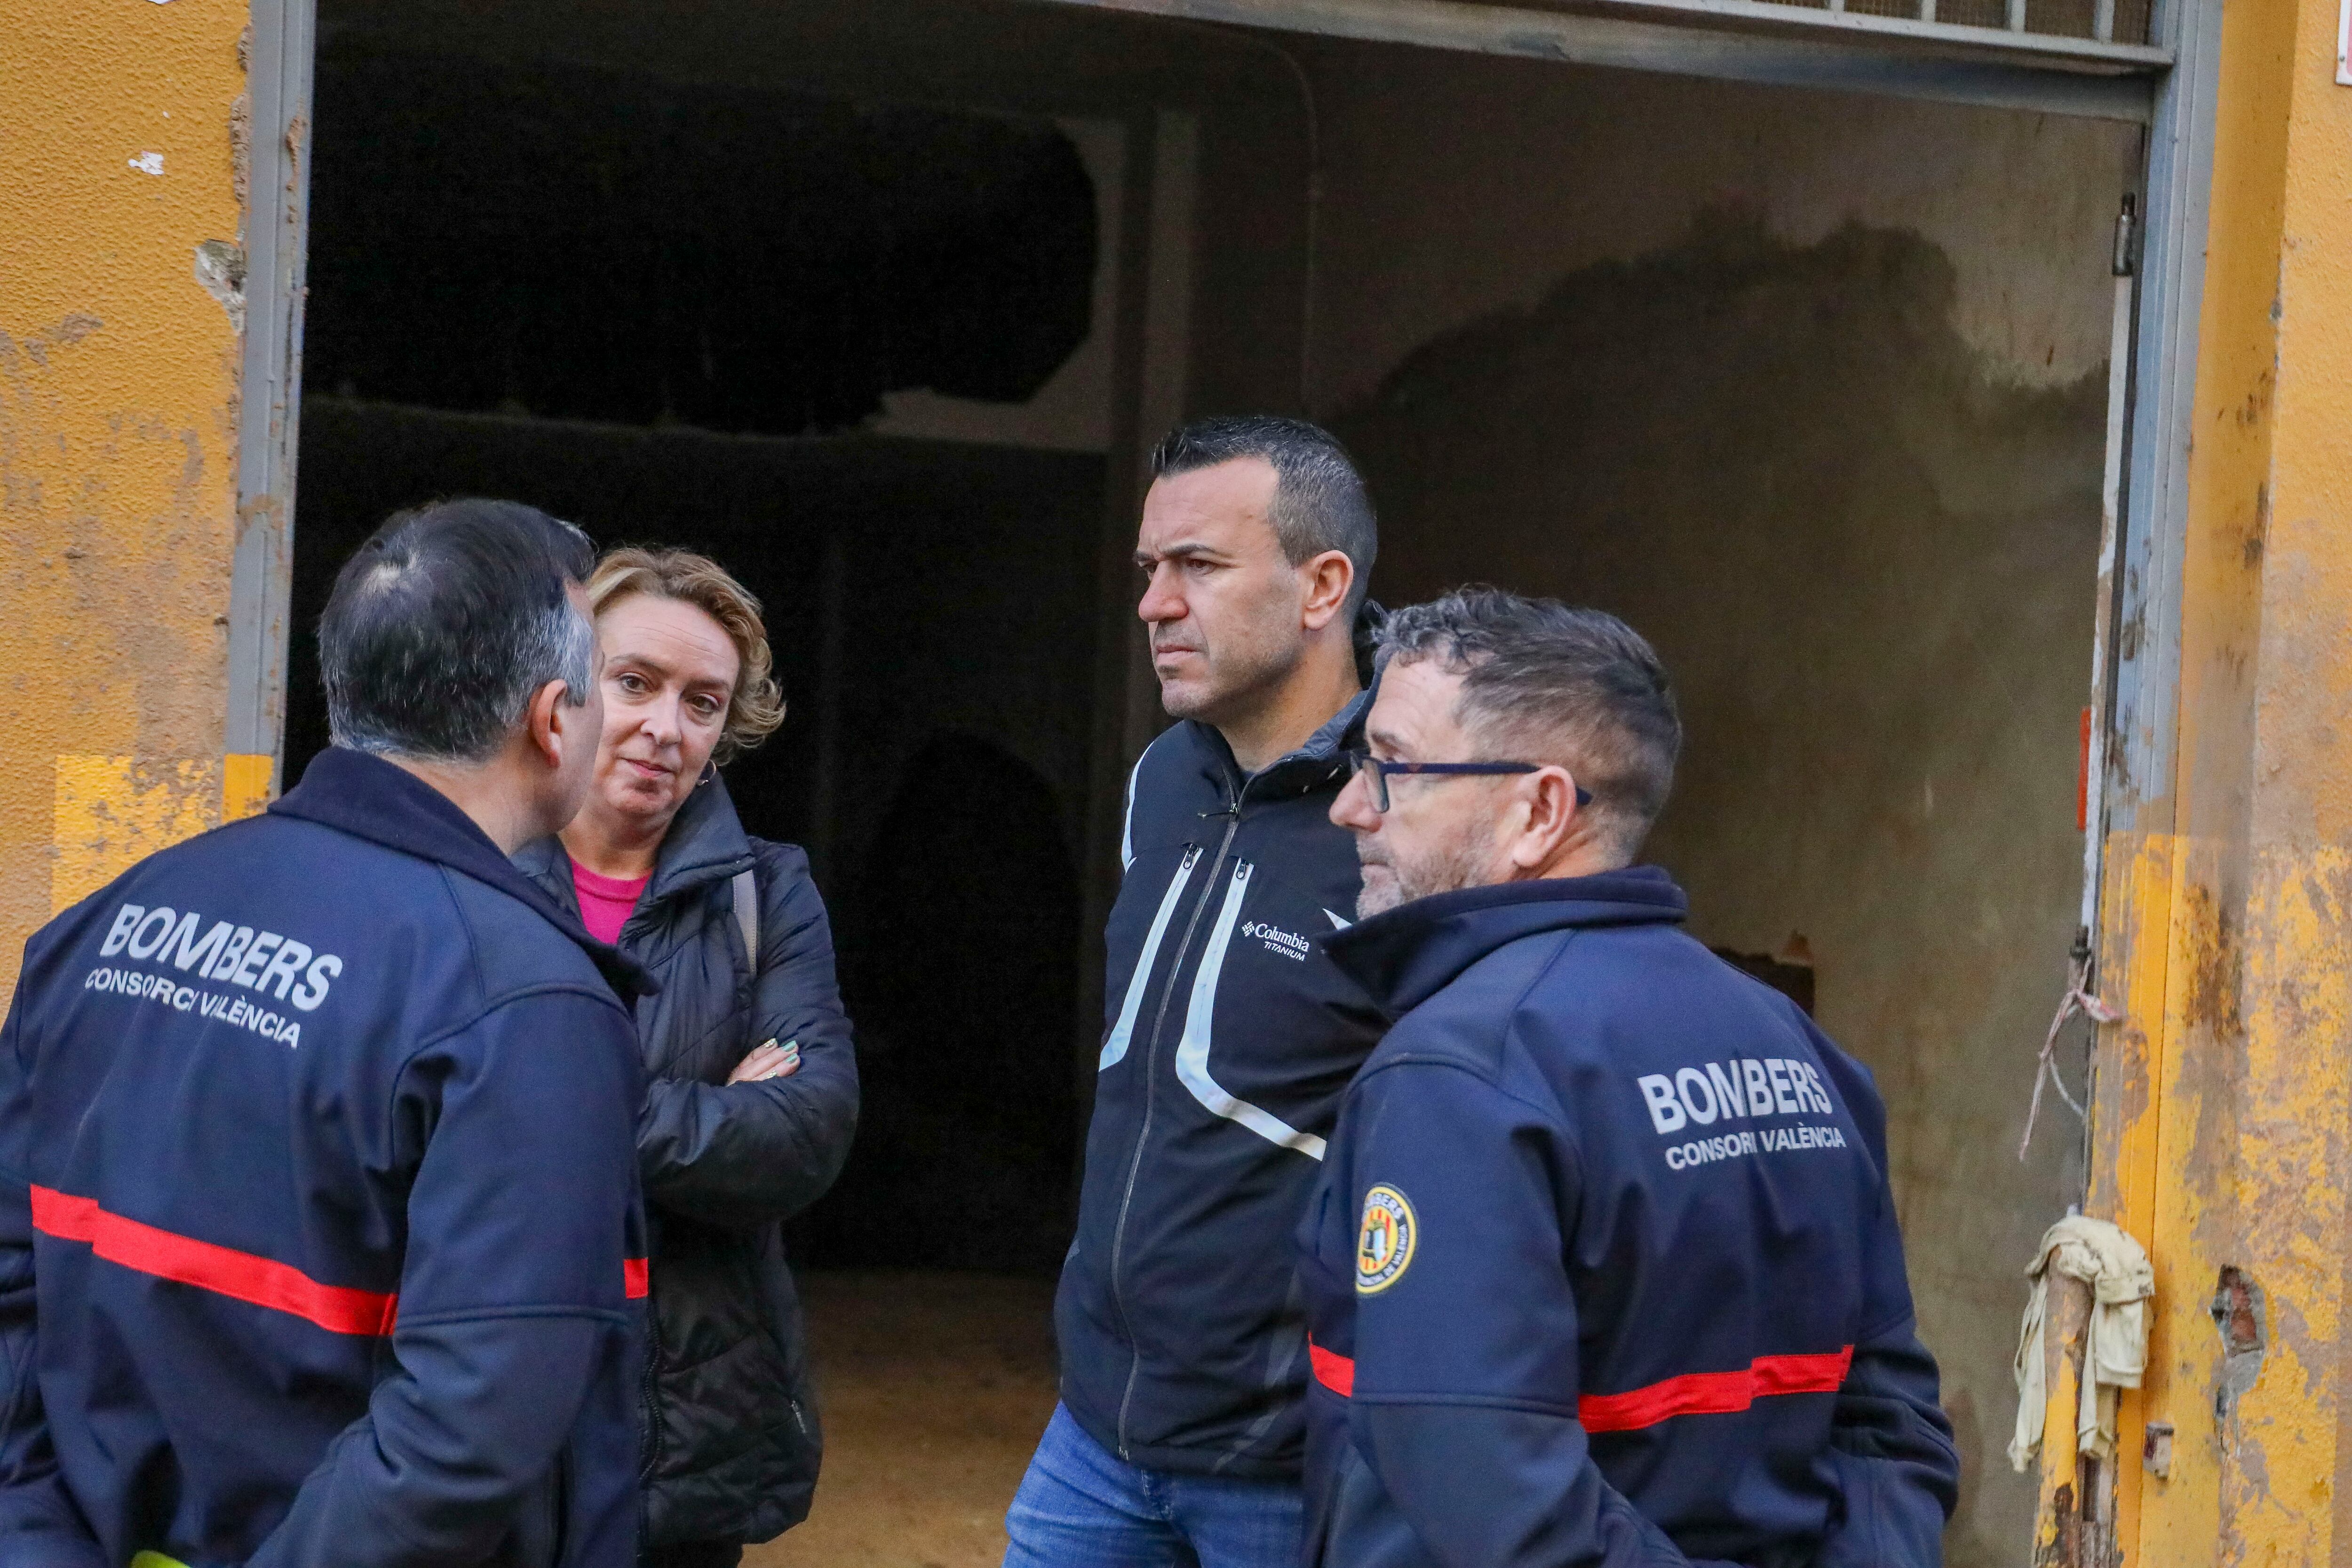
(183, 947)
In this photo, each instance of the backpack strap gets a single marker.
(747, 915)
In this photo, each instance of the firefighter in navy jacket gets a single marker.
(1604, 1268)
(319, 1238)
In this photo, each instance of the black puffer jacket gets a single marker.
(731, 1439)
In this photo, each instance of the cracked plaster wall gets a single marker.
(117, 433)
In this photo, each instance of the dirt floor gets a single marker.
(933, 1388)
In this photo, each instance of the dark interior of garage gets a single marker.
(881, 308)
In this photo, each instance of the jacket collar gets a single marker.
(369, 798)
(1411, 952)
(1316, 763)
(706, 843)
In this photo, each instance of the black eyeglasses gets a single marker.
(1376, 774)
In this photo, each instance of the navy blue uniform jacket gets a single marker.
(1228, 1039)
(319, 1218)
(1604, 1268)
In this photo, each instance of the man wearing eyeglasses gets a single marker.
(1228, 1034)
(1603, 1265)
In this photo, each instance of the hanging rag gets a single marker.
(2114, 1351)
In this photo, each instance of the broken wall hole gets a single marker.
(572, 242)
(2238, 1317)
(2156, 1449)
(1793, 980)
(220, 271)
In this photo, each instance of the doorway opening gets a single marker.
(882, 309)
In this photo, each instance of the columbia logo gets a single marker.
(1288, 943)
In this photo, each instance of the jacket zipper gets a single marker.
(649, 1393)
(563, 1505)
(1209, 884)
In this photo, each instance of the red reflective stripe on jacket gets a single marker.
(1333, 1371)
(223, 1270)
(1695, 1393)
(1715, 1393)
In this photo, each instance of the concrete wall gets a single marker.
(118, 436)
(1541, 170)
(1811, 389)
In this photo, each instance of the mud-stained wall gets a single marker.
(1811, 389)
(1540, 170)
(118, 389)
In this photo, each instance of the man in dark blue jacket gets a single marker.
(1604, 1268)
(1228, 1035)
(319, 1220)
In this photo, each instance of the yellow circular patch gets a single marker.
(1385, 1245)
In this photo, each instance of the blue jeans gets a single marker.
(1082, 1506)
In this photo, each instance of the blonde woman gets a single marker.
(752, 1091)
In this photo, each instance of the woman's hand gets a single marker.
(764, 1062)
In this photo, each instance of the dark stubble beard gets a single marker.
(1243, 678)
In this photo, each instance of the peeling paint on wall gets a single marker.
(118, 379)
(2238, 1317)
(110, 813)
(220, 268)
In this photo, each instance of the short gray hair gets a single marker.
(445, 622)
(1538, 673)
(1319, 499)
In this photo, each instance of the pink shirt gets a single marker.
(605, 902)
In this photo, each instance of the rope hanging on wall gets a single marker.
(2077, 999)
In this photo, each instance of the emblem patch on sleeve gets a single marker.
(1385, 1245)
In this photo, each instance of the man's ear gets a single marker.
(1547, 797)
(553, 723)
(1328, 576)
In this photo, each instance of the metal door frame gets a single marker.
(2137, 790)
(1781, 45)
(269, 403)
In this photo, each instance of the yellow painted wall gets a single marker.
(2228, 1140)
(119, 121)
(2294, 1114)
